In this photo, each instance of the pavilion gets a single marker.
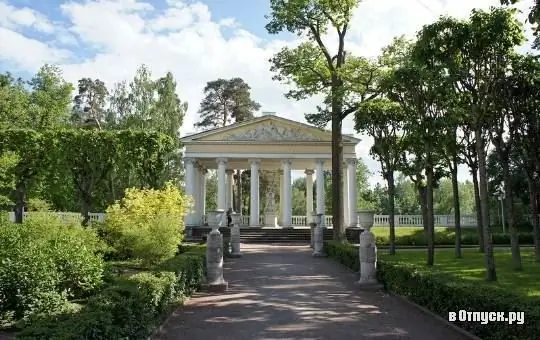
(268, 142)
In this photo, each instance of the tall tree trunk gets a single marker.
(430, 217)
(422, 198)
(457, 208)
(18, 195)
(392, 220)
(337, 165)
(479, 220)
(491, 273)
(533, 194)
(509, 202)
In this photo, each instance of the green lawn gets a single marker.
(471, 267)
(409, 231)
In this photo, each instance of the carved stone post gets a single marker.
(367, 252)
(318, 237)
(235, 235)
(214, 257)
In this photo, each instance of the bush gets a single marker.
(448, 239)
(131, 307)
(441, 293)
(147, 224)
(45, 262)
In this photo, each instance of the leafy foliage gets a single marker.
(148, 223)
(45, 262)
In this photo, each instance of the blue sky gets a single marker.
(197, 40)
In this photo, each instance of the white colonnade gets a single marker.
(195, 187)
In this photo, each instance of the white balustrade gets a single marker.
(467, 221)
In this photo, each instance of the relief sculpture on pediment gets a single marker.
(272, 132)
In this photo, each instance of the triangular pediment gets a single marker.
(265, 129)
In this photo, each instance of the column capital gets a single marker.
(351, 161)
(320, 161)
(254, 161)
(286, 162)
(221, 160)
(309, 172)
(229, 171)
(189, 160)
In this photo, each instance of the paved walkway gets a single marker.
(281, 292)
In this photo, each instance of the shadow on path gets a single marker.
(281, 292)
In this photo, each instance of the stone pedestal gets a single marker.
(318, 237)
(235, 235)
(367, 253)
(312, 227)
(270, 220)
(214, 258)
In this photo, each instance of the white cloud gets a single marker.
(186, 40)
(16, 18)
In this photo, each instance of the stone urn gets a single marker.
(215, 219)
(366, 218)
(235, 235)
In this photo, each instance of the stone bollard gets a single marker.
(214, 258)
(367, 253)
(235, 236)
(318, 237)
(312, 227)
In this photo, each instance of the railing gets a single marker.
(467, 221)
(64, 216)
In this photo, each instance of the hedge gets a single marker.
(442, 292)
(131, 307)
(448, 239)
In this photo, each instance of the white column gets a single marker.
(320, 188)
(254, 193)
(351, 169)
(309, 195)
(204, 172)
(346, 215)
(230, 185)
(190, 187)
(280, 217)
(287, 194)
(222, 184)
(197, 195)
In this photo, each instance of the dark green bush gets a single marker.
(442, 293)
(44, 262)
(131, 307)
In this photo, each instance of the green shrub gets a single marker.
(442, 293)
(448, 239)
(147, 224)
(43, 263)
(131, 307)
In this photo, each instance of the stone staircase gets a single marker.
(268, 235)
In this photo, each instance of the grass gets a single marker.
(410, 231)
(471, 268)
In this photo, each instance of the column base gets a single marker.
(219, 287)
(369, 284)
(318, 254)
(235, 255)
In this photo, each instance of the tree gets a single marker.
(227, 101)
(474, 55)
(169, 110)
(14, 102)
(29, 151)
(383, 120)
(533, 18)
(314, 69)
(49, 99)
(89, 103)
